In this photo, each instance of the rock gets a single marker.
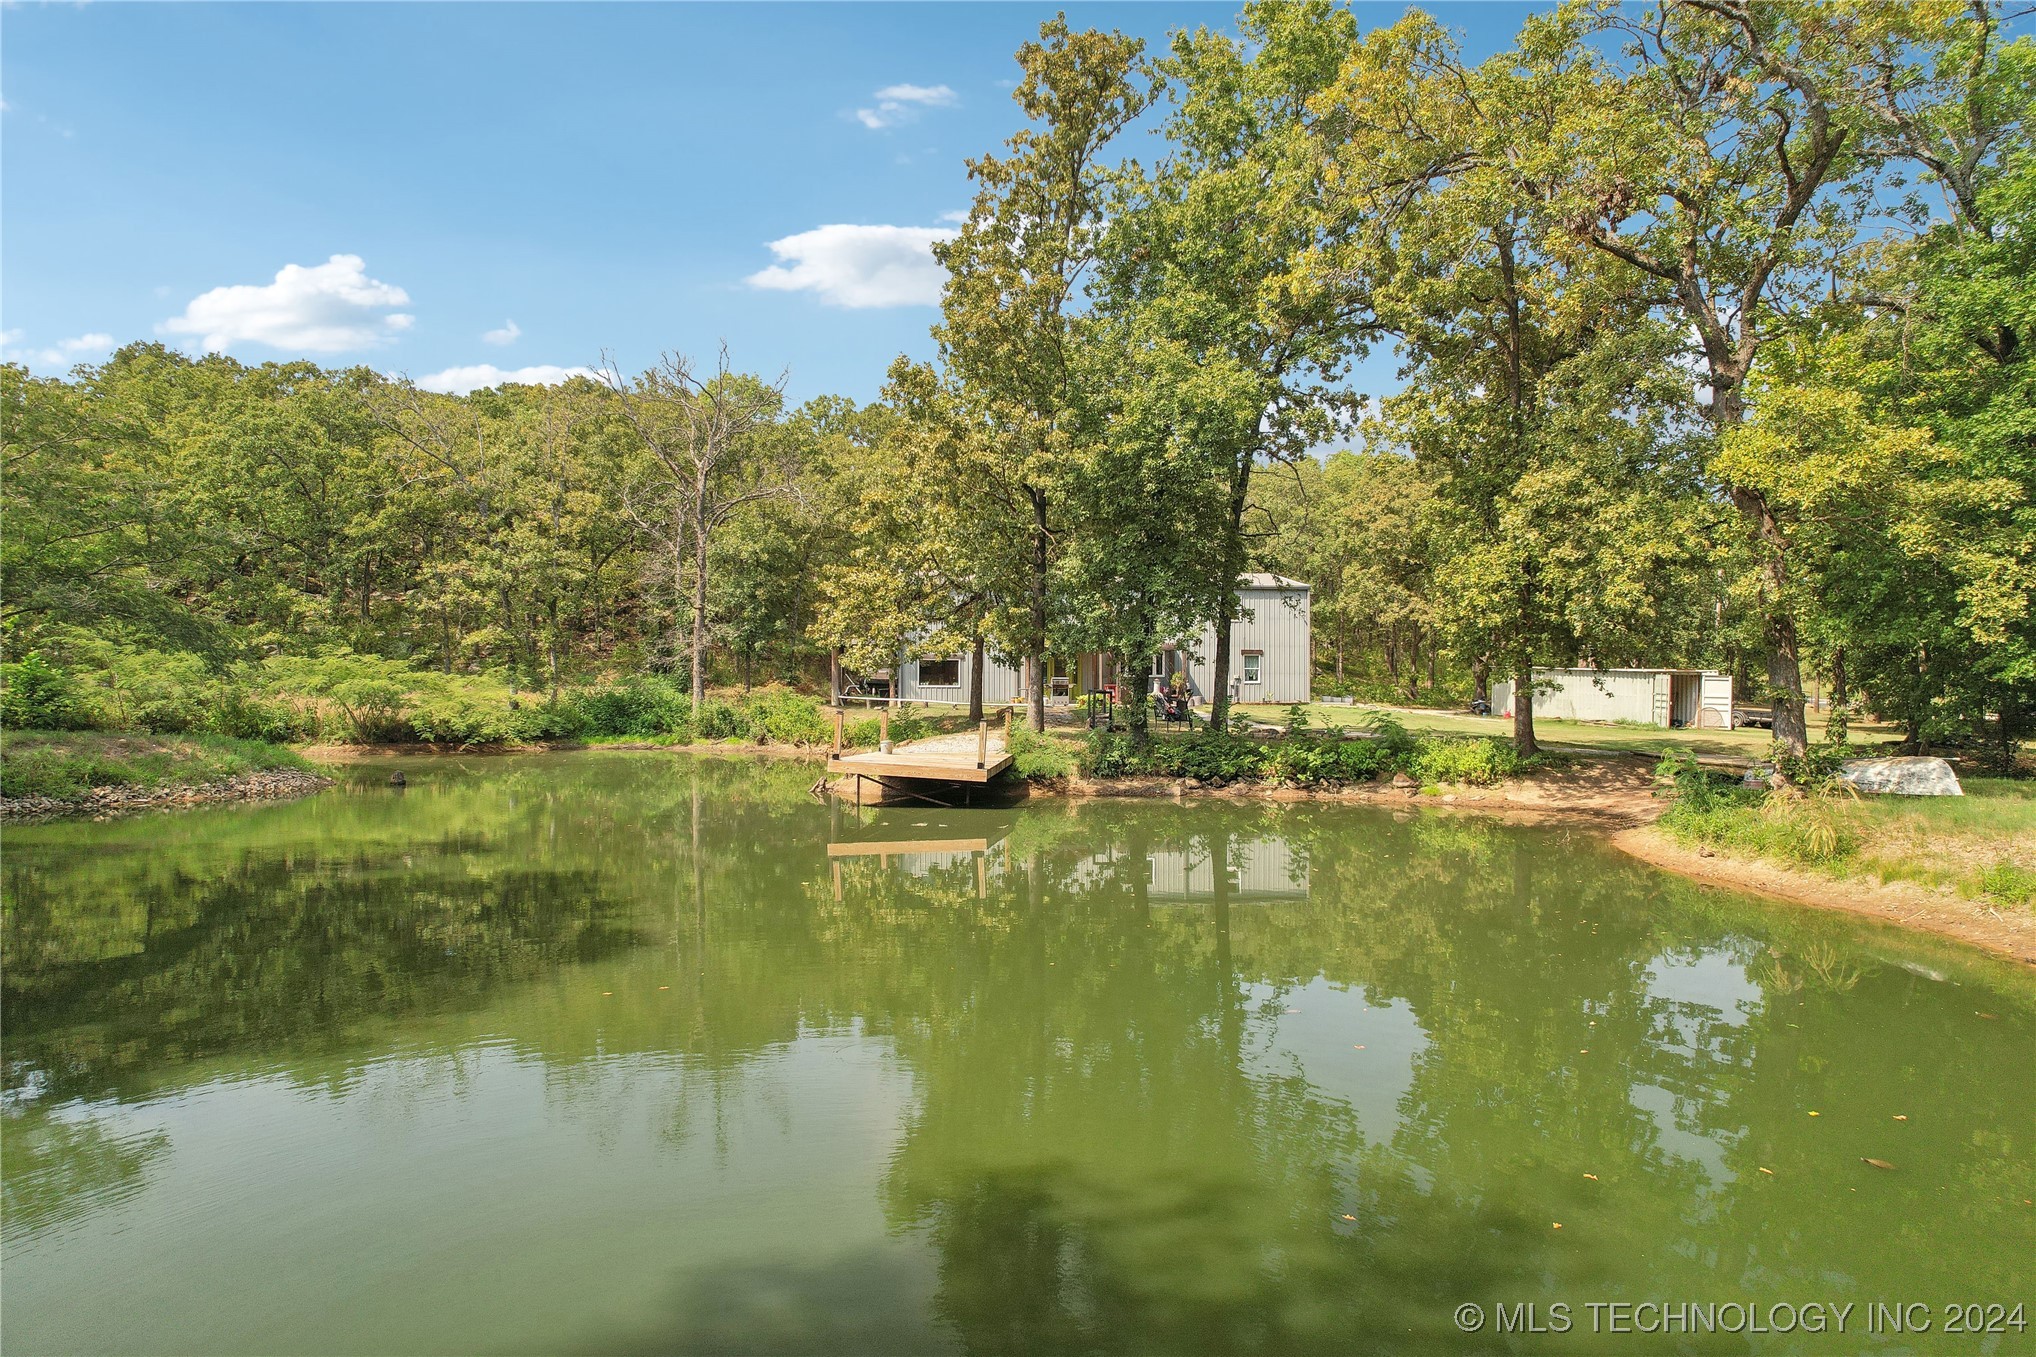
(1760, 775)
(398, 780)
(1902, 777)
(1405, 783)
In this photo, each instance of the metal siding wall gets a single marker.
(1275, 628)
(1000, 684)
(1717, 701)
(1626, 695)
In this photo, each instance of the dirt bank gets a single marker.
(275, 784)
(2006, 932)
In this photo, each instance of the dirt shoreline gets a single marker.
(103, 803)
(2006, 933)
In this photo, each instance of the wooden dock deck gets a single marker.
(972, 756)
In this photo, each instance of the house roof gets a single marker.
(1259, 579)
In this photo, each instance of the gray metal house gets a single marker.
(1680, 698)
(1271, 658)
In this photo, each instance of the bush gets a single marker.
(37, 695)
(1208, 756)
(782, 716)
(1034, 756)
(1110, 753)
(1477, 760)
(1308, 761)
(641, 706)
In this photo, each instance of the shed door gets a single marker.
(1663, 683)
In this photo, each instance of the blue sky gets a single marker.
(441, 189)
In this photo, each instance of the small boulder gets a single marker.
(1760, 775)
(1902, 777)
(398, 780)
(1404, 783)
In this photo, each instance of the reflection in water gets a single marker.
(617, 1053)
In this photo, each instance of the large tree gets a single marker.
(705, 454)
(1208, 255)
(1016, 273)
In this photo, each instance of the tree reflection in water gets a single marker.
(1213, 1077)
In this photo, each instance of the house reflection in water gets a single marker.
(1258, 871)
(1185, 872)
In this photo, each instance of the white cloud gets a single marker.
(479, 376)
(65, 353)
(859, 266)
(903, 103)
(322, 308)
(957, 217)
(502, 338)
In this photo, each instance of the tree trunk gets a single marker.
(699, 614)
(1042, 541)
(1524, 742)
(1481, 681)
(1138, 707)
(1778, 624)
(1837, 725)
(834, 676)
(976, 681)
(1219, 700)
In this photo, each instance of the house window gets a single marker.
(1159, 665)
(940, 673)
(1254, 665)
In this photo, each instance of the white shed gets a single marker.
(1669, 698)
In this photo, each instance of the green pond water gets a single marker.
(641, 1053)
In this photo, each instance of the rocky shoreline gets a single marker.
(275, 784)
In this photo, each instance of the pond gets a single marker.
(647, 1053)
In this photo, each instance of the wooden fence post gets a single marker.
(982, 744)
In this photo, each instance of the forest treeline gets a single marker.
(1717, 337)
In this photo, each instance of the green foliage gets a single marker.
(1036, 757)
(781, 716)
(643, 705)
(1313, 761)
(1207, 756)
(1110, 753)
(1475, 760)
(37, 695)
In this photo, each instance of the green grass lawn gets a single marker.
(1748, 745)
(68, 764)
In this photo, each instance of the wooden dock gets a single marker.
(972, 757)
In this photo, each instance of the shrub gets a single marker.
(1035, 757)
(1476, 760)
(715, 719)
(785, 717)
(37, 695)
(1208, 756)
(643, 706)
(1311, 761)
(240, 712)
(1109, 753)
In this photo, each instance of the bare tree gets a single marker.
(709, 454)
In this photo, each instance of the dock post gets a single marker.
(839, 715)
(982, 744)
(884, 730)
